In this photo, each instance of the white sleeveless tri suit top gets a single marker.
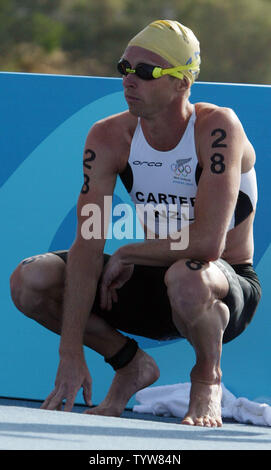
(171, 178)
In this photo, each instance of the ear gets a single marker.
(183, 85)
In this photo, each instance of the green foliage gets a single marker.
(88, 36)
(46, 32)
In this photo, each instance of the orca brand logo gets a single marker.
(138, 162)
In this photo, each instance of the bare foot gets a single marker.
(205, 405)
(141, 372)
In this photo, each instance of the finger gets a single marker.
(103, 297)
(53, 401)
(109, 301)
(47, 400)
(69, 402)
(87, 394)
(114, 295)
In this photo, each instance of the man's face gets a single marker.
(147, 97)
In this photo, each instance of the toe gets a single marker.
(188, 421)
(199, 422)
(213, 422)
(207, 421)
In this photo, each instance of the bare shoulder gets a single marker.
(116, 124)
(113, 136)
(218, 127)
(209, 114)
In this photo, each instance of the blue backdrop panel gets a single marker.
(44, 123)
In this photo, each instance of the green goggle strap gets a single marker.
(174, 71)
(158, 72)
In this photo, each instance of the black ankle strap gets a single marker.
(124, 356)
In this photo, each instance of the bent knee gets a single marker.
(187, 280)
(35, 276)
(186, 272)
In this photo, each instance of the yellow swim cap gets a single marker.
(174, 42)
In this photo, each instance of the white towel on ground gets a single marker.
(173, 400)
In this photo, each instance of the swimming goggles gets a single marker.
(150, 72)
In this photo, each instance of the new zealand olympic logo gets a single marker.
(181, 167)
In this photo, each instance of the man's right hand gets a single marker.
(72, 374)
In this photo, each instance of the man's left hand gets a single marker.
(114, 276)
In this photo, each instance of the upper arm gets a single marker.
(221, 149)
(99, 170)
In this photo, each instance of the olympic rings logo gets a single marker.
(181, 168)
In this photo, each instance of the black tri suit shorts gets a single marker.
(143, 307)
